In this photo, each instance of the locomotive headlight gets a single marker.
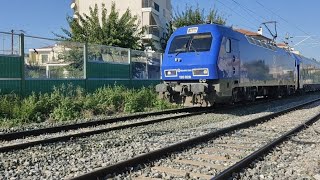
(200, 72)
(171, 73)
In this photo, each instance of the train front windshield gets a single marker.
(191, 43)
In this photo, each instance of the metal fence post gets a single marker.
(85, 60)
(147, 67)
(22, 69)
(161, 59)
(130, 66)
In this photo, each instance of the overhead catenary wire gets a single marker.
(237, 14)
(253, 14)
(294, 25)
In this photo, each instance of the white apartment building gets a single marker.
(155, 15)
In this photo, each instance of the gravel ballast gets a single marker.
(297, 158)
(254, 137)
(53, 124)
(68, 159)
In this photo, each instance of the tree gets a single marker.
(112, 30)
(164, 40)
(192, 16)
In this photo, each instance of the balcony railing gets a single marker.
(153, 29)
(147, 4)
(150, 4)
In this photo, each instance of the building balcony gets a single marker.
(150, 6)
(152, 32)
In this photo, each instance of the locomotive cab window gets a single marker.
(228, 46)
(191, 43)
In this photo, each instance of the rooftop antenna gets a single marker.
(274, 35)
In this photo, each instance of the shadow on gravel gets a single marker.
(272, 106)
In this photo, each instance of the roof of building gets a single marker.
(282, 45)
(248, 33)
(254, 34)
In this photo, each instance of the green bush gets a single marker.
(161, 104)
(67, 103)
(66, 110)
(139, 100)
(7, 105)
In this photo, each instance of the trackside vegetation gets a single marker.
(69, 103)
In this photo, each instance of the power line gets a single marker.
(282, 18)
(237, 13)
(247, 9)
(251, 13)
(294, 25)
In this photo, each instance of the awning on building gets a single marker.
(156, 19)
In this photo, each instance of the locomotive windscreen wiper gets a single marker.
(184, 49)
(178, 52)
(193, 48)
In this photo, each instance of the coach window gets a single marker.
(228, 46)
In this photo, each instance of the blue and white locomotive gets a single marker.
(209, 63)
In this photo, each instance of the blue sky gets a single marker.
(298, 18)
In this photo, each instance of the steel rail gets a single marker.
(31, 143)
(244, 163)
(177, 147)
(55, 129)
(92, 132)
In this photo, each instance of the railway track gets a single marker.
(219, 154)
(54, 129)
(76, 156)
(35, 132)
(24, 139)
(112, 125)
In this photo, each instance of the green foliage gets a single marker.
(7, 104)
(75, 56)
(68, 103)
(194, 15)
(28, 110)
(164, 40)
(161, 104)
(67, 110)
(137, 101)
(111, 30)
(106, 100)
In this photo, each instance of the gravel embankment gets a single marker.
(52, 124)
(254, 137)
(298, 158)
(240, 113)
(68, 159)
(81, 130)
